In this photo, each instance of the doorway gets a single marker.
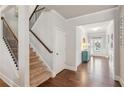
(98, 40)
(59, 64)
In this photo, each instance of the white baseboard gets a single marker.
(53, 75)
(118, 78)
(73, 68)
(122, 82)
(8, 81)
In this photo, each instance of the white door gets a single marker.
(60, 51)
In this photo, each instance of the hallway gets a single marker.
(94, 74)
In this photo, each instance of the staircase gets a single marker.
(38, 71)
(11, 41)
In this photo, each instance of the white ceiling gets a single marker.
(99, 24)
(70, 11)
(96, 30)
(97, 27)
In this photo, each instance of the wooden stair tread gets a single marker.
(15, 49)
(34, 57)
(33, 54)
(31, 48)
(38, 62)
(35, 65)
(40, 79)
(38, 71)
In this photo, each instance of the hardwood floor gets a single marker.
(95, 73)
(2, 84)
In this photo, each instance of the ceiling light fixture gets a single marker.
(96, 28)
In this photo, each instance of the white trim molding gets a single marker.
(121, 82)
(73, 68)
(90, 14)
(118, 78)
(53, 74)
(8, 81)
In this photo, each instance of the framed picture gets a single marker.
(111, 44)
(112, 36)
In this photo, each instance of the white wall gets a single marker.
(31, 9)
(12, 19)
(91, 18)
(122, 53)
(78, 44)
(110, 41)
(45, 28)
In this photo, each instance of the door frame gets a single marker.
(56, 52)
(78, 44)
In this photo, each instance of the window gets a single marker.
(97, 44)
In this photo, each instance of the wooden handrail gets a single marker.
(9, 28)
(41, 42)
(33, 12)
(40, 9)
